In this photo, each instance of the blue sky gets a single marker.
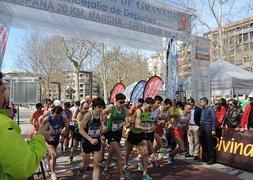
(240, 10)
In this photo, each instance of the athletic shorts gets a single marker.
(113, 136)
(53, 143)
(150, 136)
(87, 147)
(179, 133)
(159, 130)
(77, 136)
(135, 138)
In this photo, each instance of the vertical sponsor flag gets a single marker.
(3, 43)
(137, 91)
(153, 87)
(118, 88)
(201, 68)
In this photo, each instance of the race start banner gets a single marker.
(118, 88)
(152, 17)
(153, 87)
(236, 149)
(137, 91)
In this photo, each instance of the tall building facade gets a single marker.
(68, 88)
(237, 43)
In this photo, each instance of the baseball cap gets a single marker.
(251, 95)
(57, 102)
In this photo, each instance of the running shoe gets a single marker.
(160, 156)
(70, 160)
(140, 166)
(147, 177)
(53, 176)
(171, 160)
(106, 174)
(127, 172)
(80, 172)
(122, 178)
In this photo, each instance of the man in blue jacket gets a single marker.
(207, 131)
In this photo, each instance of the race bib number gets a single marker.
(117, 126)
(94, 131)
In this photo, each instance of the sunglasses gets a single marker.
(85, 108)
(216, 104)
(230, 104)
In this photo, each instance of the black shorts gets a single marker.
(113, 136)
(150, 136)
(135, 138)
(87, 147)
(53, 143)
(77, 136)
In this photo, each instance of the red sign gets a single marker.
(153, 87)
(118, 88)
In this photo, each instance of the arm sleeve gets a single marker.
(19, 159)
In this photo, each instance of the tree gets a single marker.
(77, 51)
(42, 56)
(117, 64)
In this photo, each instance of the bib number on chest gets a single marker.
(94, 131)
(117, 126)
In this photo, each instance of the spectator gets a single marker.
(207, 131)
(220, 112)
(234, 114)
(223, 103)
(193, 130)
(247, 117)
(18, 159)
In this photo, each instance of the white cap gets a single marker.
(250, 95)
(57, 102)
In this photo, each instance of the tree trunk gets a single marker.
(48, 86)
(77, 90)
(105, 92)
(220, 32)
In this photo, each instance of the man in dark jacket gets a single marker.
(234, 114)
(207, 131)
(193, 130)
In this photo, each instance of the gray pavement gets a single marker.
(189, 167)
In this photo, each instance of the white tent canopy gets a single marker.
(228, 79)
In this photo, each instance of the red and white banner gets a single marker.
(153, 87)
(118, 88)
(3, 43)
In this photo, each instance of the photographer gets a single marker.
(18, 159)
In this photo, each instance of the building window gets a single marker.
(239, 38)
(251, 46)
(231, 40)
(239, 48)
(245, 37)
(246, 47)
(251, 35)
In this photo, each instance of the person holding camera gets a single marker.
(19, 159)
